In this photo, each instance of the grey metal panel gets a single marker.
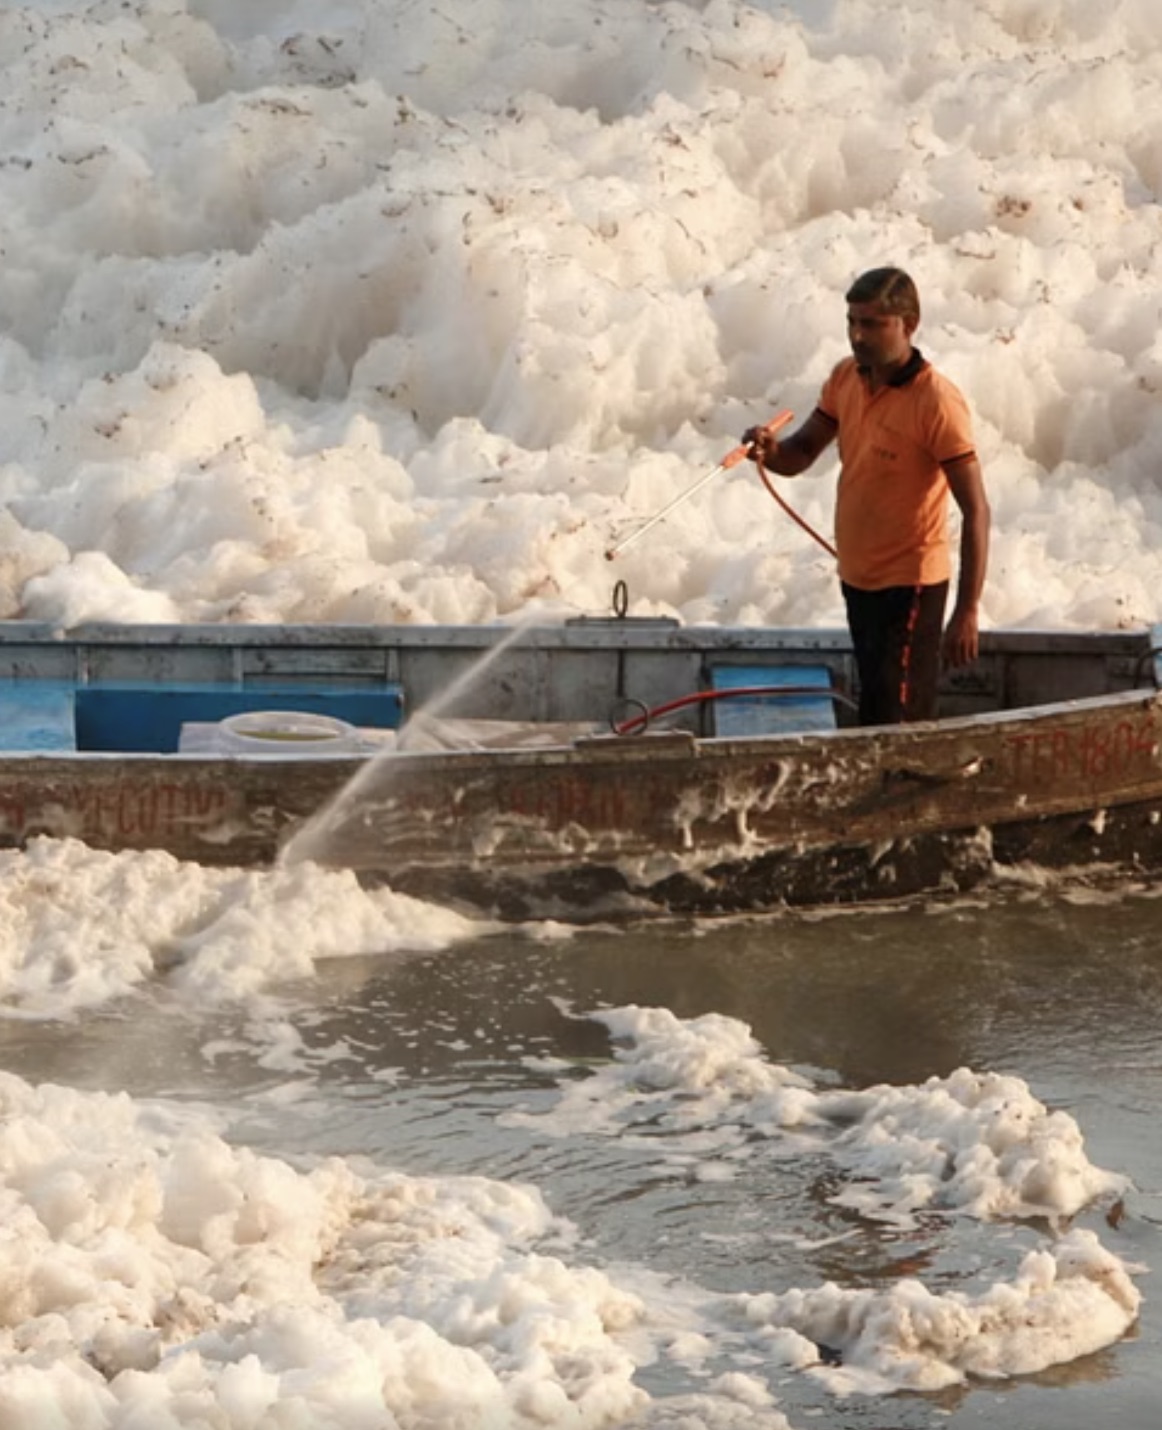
(1041, 679)
(457, 682)
(581, 633)
(38, 662)
(571, 671)
(160, 664)
(1126, 643)
(626, 633)
(980, 685)
(299, 662)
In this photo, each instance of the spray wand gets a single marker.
(732, 459)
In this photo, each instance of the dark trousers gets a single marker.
(896, 636)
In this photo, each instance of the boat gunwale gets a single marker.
(576, 633)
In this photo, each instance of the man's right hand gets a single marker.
(797, 452)
(761, 444)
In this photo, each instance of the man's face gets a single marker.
(878, 339)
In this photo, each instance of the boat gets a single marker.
(596, 766)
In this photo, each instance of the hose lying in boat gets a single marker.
(637, 724)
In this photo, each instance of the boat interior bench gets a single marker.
(789, 708)
(139, 717)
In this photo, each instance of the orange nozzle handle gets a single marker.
(776, 424)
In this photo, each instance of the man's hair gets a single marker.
(890, 288)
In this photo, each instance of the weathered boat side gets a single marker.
(731, 824)
(211, 811)
(671, 818)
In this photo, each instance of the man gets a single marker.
(905, 441)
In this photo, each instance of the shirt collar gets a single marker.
(904, 375)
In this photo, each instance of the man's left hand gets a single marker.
(961, 639)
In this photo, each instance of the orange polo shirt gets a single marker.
(891, 511)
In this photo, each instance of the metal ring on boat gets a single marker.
(618, 715)
(1143, 660)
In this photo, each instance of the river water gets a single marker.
(469, 1060)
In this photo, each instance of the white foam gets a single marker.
(1066, 1301)
(700, 1090)
(337, 313)
(153, 1269)
(82, 927)
(977, 1143)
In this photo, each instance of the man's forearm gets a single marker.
(794, 454)
(974, 541)
(789, 457)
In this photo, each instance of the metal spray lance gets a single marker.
(732, 459)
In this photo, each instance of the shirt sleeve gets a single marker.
(828, 405)
(950, 432)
